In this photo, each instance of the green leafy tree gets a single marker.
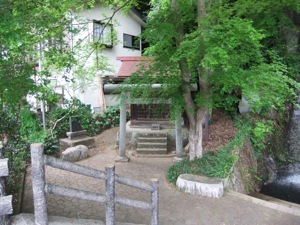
(213, 44)
(37, 31)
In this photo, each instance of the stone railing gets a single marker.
(41, 188)
(5, 201)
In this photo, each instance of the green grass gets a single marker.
(218, 164)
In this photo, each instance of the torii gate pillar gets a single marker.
(122, 131)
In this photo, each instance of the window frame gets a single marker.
(132, 45)
(100, 26)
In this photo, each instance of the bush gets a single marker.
(30, 127)
(212, 164)
(259, 135)
(58, 121)
(17, 152)
(110, 118)
(58, 118)
(51, 143)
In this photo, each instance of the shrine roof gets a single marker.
(130, 65)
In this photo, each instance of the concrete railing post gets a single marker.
(5, 201)
(154, 202)
(38, 184)
(179, 145)
(110, 194)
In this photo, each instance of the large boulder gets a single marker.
(76, 153)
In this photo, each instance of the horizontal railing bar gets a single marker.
(75, 193)
(133, 203)
(75, 168)
(133, 183)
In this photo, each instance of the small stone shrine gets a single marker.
(76, 136)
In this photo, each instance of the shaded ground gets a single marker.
(105, 141)
(221, 132)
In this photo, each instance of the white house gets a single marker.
(118, 34)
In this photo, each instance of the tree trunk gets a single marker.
(292, 33)
(196, 135)
(194, 113)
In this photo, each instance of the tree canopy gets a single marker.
(35, 30)
(229, 48)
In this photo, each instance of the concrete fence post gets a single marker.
(110, 194)
(5, 201)
(154, 201)
(178, 130)
(38, 184)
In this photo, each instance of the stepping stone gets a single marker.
(200, 185)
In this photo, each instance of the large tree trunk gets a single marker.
(194, 113)
(195, 135)
(195, 116)
(291, 33)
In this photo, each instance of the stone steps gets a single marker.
(153, 139)
(152, 144)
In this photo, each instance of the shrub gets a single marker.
(212, 164)
(51, 143)
(109, 118)
(30, 127)
(58, 118)
(17, 151)
(259, 135)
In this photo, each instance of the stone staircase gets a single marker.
(151, 144)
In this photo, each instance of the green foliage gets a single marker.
(228, 50)
(30, 127)
(40, 32)
(259, 135)
(109, 118)
(17, 152)
(59, 118)
(8, 122)
(51, 143)
(212, 164)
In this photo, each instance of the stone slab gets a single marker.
(200, 185)
(87, 141)
(77, 134)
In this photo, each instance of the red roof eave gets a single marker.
(129, 65)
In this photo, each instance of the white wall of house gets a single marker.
(122, 23)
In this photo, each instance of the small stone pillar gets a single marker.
(122, 133)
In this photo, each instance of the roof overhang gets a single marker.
(136, 15)
(130, 65)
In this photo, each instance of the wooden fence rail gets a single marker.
(41, 188)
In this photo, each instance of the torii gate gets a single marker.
(122, 131)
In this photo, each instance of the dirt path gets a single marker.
(176, 208)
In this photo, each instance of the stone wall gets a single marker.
(245, 177)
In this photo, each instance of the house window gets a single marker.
(130, 41)
(102, 33)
